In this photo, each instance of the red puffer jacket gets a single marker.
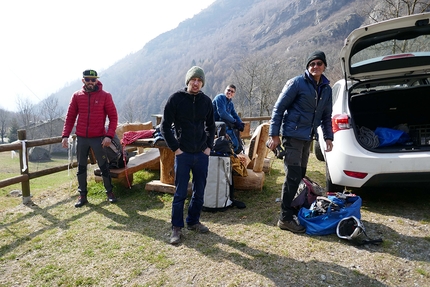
(91, 109)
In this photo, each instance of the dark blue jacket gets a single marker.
(224, 110)
(193, 119)
(301, 107)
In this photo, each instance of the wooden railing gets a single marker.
(22, 146)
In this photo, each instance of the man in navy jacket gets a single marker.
(304, 104)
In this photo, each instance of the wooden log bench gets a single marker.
(257, 152)
(149, 160)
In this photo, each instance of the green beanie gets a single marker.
(195, 72)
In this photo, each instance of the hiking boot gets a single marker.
(175, 238)
(82, 200)
(198, 227)
(291, 225)
(111, 197)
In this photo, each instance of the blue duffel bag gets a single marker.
(326, 212)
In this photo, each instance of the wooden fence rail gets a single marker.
(22, 146)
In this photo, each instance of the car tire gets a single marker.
(329, 184)
(318, 152)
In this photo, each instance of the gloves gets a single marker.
(239, 126)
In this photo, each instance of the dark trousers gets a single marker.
(295, 164)
(197, 164)
(82, 151)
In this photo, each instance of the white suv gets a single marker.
(386, 85)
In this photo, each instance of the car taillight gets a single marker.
(340, 122)
(355, 174)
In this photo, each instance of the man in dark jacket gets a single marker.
(190, 112)
(304, 104)
(226, 118)
(90, 106)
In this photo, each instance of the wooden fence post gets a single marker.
(23, 164)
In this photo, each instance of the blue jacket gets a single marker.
(193, 119)
(297, 112)
(224, 110)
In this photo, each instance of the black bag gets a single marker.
(306, 193)
(116, 154)
(222, 147)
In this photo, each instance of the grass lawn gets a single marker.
(52, 243)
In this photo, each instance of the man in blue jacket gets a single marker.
(226, 117)
(304, 104)
(190, 112)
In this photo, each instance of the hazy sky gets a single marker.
(46, 44)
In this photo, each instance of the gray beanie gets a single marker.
(316, 55)
(195, 72)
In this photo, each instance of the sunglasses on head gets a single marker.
(231, 91)
(90, 80)
(319, 64)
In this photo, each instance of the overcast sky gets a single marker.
(46, 44)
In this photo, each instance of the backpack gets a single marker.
(116, 154)
(307, 193)
(218, 184)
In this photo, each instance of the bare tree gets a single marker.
(129, 110)
(388, 9)
(258, 79)
(50, 110)
(4, 121)
(26, 112)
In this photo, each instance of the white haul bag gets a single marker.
(217, 191)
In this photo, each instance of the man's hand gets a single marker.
(106, 142)
(329, 145)
(207, 151)
(65, 142)
(239, 125)
(273, 142)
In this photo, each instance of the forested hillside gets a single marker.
(255, 44)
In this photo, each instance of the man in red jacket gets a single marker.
(90, 106)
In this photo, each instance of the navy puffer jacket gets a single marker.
(301, 108)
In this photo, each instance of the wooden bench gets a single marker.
(257, 152)
(144, 159)
(150, 160)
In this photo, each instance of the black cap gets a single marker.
(90, 74)
(316, 55)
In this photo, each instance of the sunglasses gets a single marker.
(90, 80)
(319, 64)
(231, 91)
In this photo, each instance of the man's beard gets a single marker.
(90, 87)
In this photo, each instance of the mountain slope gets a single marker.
(219, 39)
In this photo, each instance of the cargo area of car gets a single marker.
(407, 109)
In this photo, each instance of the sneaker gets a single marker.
(175, 238)
(82, 200)
(111, 197)
(291, 225)
(198, 227)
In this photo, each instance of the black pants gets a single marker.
(295, 164)
(82, 151)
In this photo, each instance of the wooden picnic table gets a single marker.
(167, 158)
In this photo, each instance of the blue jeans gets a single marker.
(197, 164)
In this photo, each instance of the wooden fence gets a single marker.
(23, 146)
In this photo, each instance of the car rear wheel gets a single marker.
(318, 152)
(329, 185)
